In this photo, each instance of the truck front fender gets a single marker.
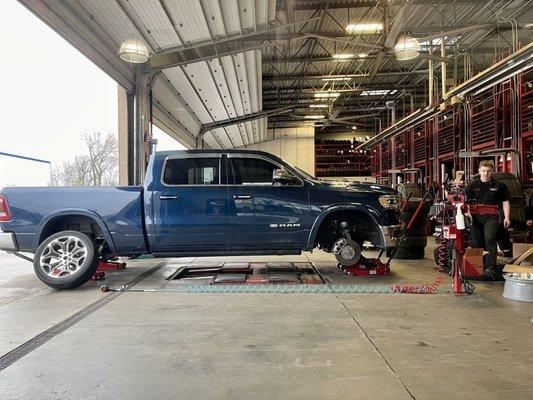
(53, 216)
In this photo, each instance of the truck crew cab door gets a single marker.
(264, 215)
(190, 204)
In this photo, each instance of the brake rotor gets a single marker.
(347, 252)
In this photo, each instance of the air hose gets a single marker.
(418, 288)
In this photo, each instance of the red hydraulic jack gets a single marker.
(107, 266)
(372, 266)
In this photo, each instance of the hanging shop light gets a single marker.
(133, 51)
(406, 48)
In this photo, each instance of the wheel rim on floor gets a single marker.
(63, 257)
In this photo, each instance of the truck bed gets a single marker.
(120, 209)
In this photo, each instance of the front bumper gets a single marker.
(8, 242)
(390, 235)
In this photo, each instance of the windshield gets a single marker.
(306, 175)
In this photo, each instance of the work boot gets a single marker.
(489, 274)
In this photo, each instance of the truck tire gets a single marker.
(414, 241)
(412, 253)
(66, 260)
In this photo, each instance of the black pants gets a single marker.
(485, 235)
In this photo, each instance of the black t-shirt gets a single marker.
(492, 192)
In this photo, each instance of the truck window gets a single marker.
(190, 171)
(252, 171)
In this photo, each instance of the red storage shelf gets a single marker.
(446, 136)
(339, 158)
(484, 120)
(420, 147)
(385, 157)
(400, 150)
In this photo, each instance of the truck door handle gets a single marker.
(242, 197)
(167, 197)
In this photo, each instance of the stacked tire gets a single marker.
(415, 241)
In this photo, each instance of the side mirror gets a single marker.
(283, 177)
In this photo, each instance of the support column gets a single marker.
(125, 137)
(143, 125)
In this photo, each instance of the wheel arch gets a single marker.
(48, 226)
(328, 212)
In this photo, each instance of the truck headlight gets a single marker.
(390, 201)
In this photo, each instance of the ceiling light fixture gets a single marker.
(406, 48)
(362, 55)
(364, 29)
(314, 116)
(318, 105)
(381, 92)
(326, 95)
(133, 51)
(342, 56)
(336, 79)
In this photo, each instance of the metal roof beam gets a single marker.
(274, 78)
(243, 118)
(316, 4)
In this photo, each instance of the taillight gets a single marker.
(5, 214)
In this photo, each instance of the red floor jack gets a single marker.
(107, 265)
(368, 266)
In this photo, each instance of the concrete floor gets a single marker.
(264, 346)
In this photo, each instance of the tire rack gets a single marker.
(339, 159)
(482, 124)
(526, 126)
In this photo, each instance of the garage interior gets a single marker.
(387, 92)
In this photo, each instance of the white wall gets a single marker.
(293, 145)
(23, 172)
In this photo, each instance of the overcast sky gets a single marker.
(51, 94)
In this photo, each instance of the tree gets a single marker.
(97, 168)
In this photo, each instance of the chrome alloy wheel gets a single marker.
(63, 257)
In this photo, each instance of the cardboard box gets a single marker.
(520, 248)
(473, 259)
(524, 263)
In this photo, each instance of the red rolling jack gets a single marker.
(367, 266)
(107, 266)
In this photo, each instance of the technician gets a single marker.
(487, 190)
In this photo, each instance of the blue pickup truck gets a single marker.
(194, 203)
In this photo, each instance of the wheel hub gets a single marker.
(63, 257)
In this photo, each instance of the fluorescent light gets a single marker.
(318, 105)
(364, 29)
(314, 116)
(336, 79)
(326, 95)
(406, 48)
(381, 92)
(362, 55)
(342, 56)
